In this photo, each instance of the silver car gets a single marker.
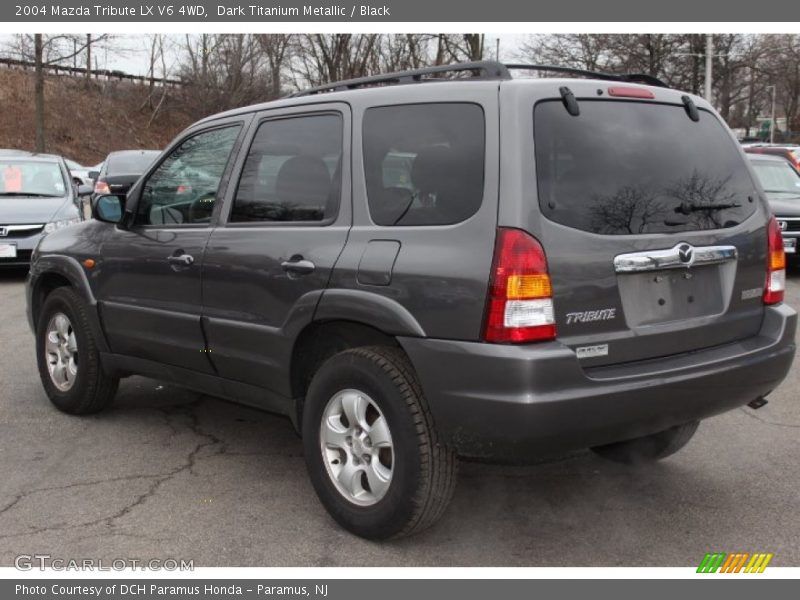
(37, 196)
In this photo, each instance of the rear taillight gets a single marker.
(101, 187)
(776, 264)
(520, 305)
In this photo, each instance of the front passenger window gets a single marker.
(183, 189)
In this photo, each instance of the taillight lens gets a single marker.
(776, 265)
(101, 187)
(631, 92)
(520, 305)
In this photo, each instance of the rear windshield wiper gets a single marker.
(687, 208)
(28, 195)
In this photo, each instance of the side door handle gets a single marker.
(183, 260)
(298, 265)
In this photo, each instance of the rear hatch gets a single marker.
(653, 228)
(120, 184)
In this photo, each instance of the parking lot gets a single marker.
(168, 473)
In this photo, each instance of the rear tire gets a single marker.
(414, 476)
(68, 358)
(649, 448)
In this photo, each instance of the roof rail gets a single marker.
(486, 69)
(480, 70)
(624, 77)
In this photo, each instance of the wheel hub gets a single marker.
(357, 447)
(61, 352)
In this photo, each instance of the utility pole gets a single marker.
(497, 51)
(88, 55)
(772, 117)
(709, 66)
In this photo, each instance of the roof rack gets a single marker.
(623, 77)
(485, 70)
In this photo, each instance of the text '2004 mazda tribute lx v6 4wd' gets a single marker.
(414, 271)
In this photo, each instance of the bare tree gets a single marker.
(44, 51)
(322, 58)
(222, 71)
(277, 51)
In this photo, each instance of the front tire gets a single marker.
(649, 448)
(371, 448)
(68, 358)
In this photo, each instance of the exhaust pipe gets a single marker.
(757, 403)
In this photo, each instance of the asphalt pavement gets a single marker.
(168, 473)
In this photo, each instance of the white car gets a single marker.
(80, 174)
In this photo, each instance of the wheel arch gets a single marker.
(319, 341)
(52, 272)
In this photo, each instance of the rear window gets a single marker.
(777, 177)
(130, 164)
(622, 168)
(424, 163)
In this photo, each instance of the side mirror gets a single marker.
(85, 190)
(93, 175)
(108, 208)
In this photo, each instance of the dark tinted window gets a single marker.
(634, 167)
(424, 163)
(292, 171)
(130, 163)
(183, 189)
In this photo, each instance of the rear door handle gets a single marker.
(184, 260)
(298, 265)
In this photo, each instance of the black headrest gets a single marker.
(433, 166)
(303, 180)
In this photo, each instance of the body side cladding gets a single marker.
(203, 383)
(368, 308)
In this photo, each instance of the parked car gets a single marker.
(121, 169)
(790, 152)
(37, 196)
(79, 173)
(587, 294)
(781, 183)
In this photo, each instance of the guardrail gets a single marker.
(102, 74)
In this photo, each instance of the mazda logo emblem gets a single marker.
(686, 254)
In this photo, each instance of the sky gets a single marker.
(130, 53)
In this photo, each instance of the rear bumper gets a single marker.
(520, 402)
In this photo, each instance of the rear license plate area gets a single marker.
(674, 294)
(790, 245)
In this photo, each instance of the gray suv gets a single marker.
(415, 267)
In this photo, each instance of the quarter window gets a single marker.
(183, 189)
(293, 171)
(424, 163)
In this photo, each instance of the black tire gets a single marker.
(650, 447)
(93, 389)
(424, 470)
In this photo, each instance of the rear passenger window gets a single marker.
(424, 163)
(293, 171)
